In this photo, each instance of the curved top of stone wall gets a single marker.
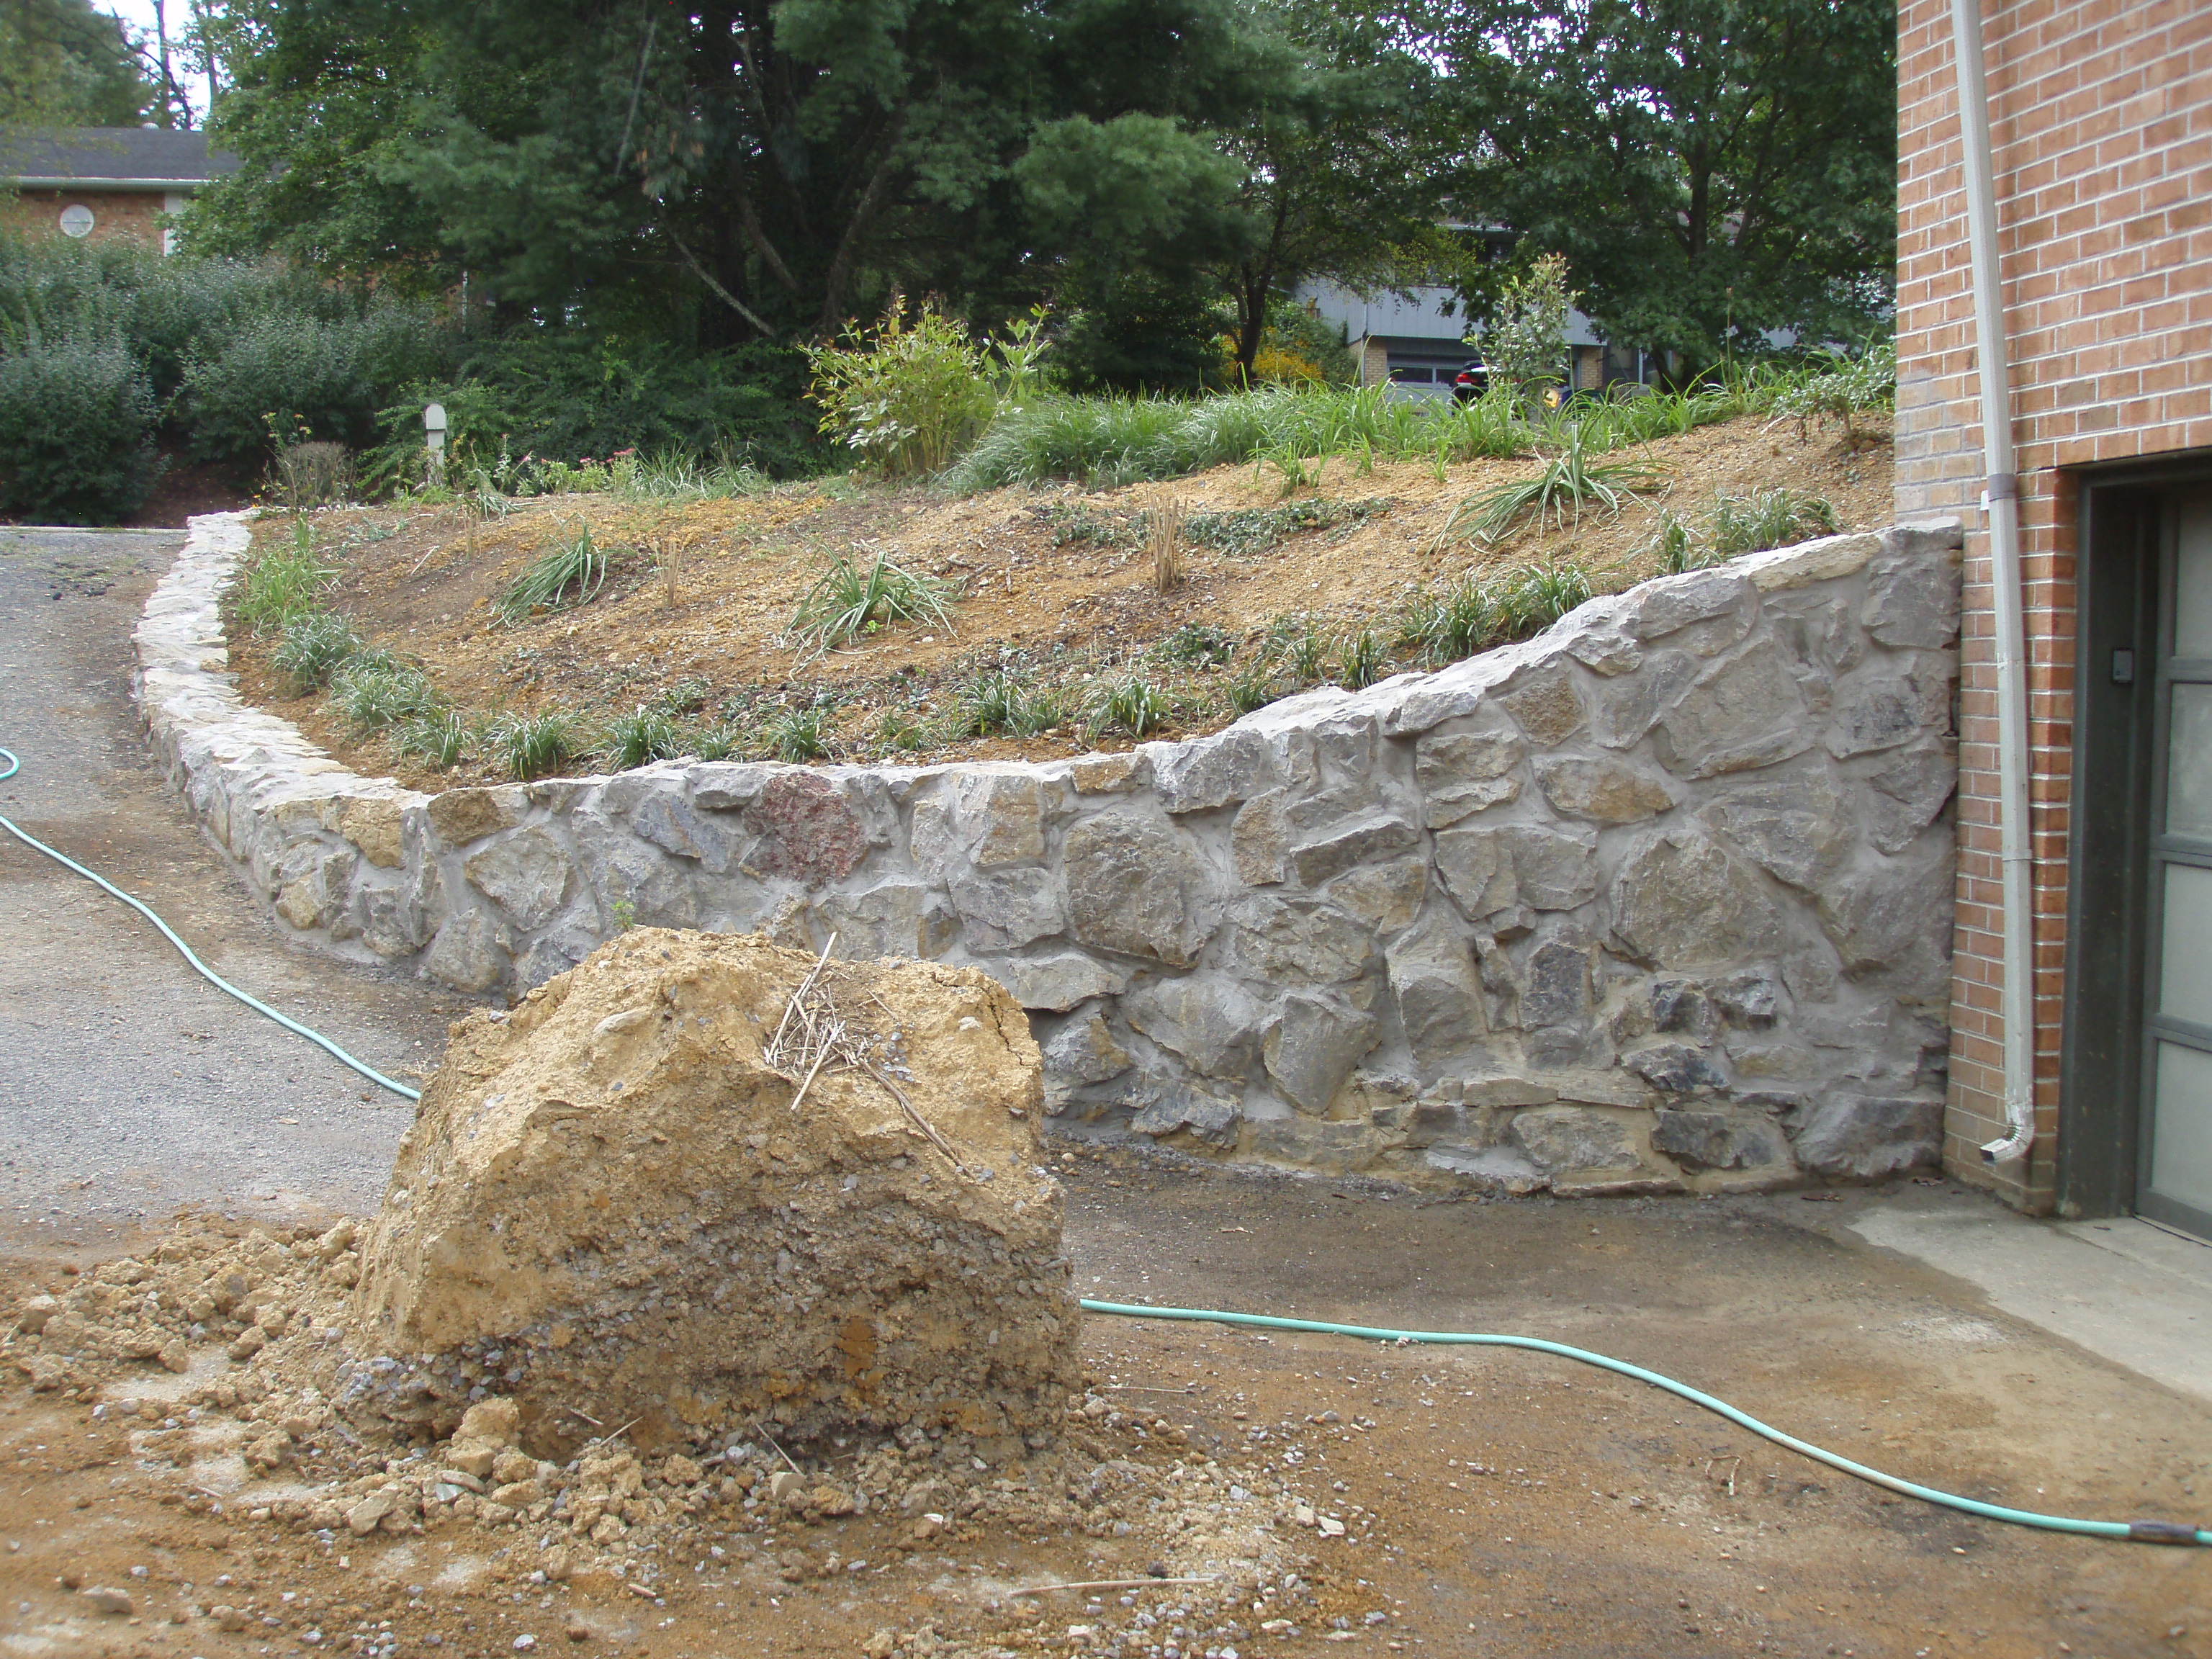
(1688, 846)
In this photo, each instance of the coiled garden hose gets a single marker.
(201, 968)
(2139, 1532)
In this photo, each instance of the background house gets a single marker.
(104, 182)
(2100, 133)
(1417, 344)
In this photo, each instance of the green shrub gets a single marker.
(440, 738)
(315, 646)
(1198, 644)
(908, 400)
(725, 418)
(1359, 658)
(77, 425)
(1569, 481)
(1834, 386)
(897, 732)
(1003, 703)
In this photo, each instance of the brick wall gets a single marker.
(135, 215)
(2102, 133)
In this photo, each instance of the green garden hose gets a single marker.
(204, 971)
(2140, 1532)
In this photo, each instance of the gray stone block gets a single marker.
(1721, 1139)
(1209, 1020)
(1312, 1046)
(1862, 1136)
(528, 874)
(1439, 993)
(1794, 826)
(1743, 713)
(1467, 772)
(1297, 942)
(1004, 909)
(1558, 1139)
(1604, 791)
(1135, 886)
(1681, 900)
(1366, 838)
(1678, 1068)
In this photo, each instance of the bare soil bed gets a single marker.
(1493, 1503)
(1054, 586)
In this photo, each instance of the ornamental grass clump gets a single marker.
(850, 600)
(571, 572)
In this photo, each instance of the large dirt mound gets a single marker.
(648, 1197)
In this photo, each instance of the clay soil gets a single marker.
(1494, 1503)
(1053, 585)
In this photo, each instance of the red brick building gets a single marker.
(2099, 138)
(100, 183)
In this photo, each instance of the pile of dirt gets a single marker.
(1054, 586)
(702, 1181)
(220, 1354)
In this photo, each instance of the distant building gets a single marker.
(100, 183)
(1417, 344)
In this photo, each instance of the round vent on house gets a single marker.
(76, 219)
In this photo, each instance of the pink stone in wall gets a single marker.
(809, 832)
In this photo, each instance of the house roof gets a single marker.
(112, 158)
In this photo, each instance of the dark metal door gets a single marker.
(2174, 1179)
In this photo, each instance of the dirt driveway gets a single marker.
(1491, 1503)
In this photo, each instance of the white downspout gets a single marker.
(2001, 514)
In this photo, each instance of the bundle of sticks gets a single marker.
(815, 1034)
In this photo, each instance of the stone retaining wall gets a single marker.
(1659, 900)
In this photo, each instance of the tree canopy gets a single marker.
(1710, 169)
(63, 64)
(770, 170)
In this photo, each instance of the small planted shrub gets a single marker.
(1569, 481)
(850, 600)
(312, 474)
(908, 400)
(1440, 628)
(439, 739)
(315, 646)
(1360, 659)
(570, 573)
(1768, 518)
(531, 745)
(1529, 601)
(375, 691)
(1200, 645)
(898, 732)
(1130, 703)
(1003, 703)
(641, 737)
(798, 734)
(284, 581)
(1164, 543)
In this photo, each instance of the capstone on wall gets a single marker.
(1658, 900)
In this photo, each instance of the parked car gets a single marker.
(1471, 380)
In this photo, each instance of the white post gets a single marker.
(434, 434)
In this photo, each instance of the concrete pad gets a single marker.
(2126, 1290)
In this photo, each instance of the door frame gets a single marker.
(2119, 604)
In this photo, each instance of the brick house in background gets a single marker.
(2099, 136)
(105, 182)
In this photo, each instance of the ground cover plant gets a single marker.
(1048, 632)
